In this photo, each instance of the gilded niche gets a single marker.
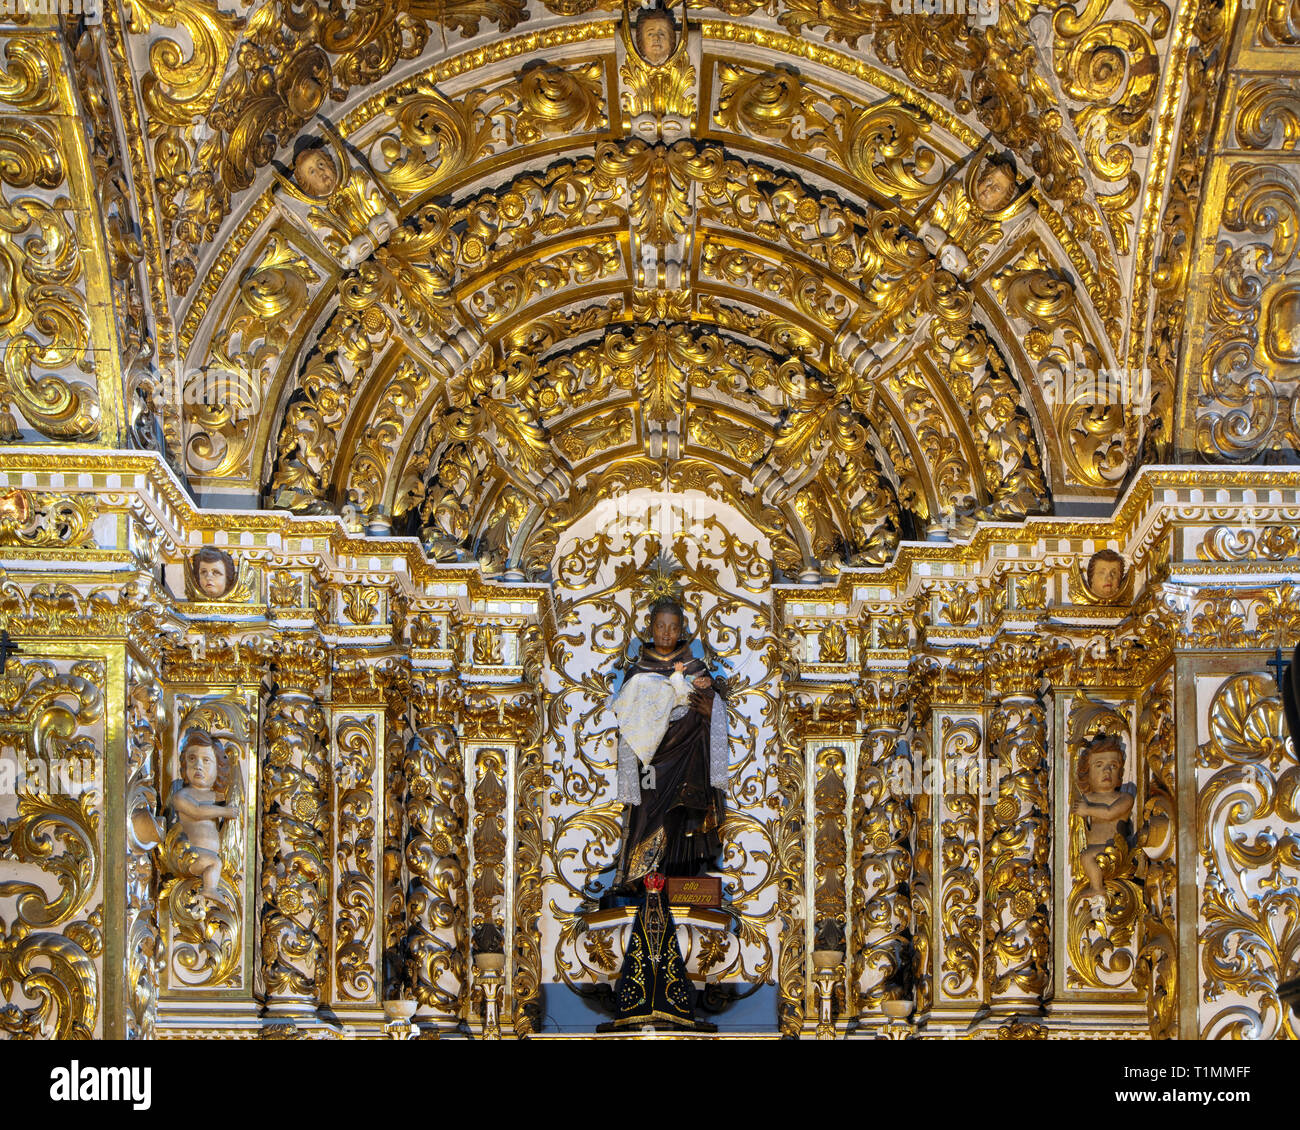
(203, 852)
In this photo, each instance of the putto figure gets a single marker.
(200, 801)
(213, 571)
(1103, 804)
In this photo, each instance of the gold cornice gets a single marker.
(192, 520)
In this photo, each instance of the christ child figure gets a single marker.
(199, 805)
(1104, 806)
(646, 704)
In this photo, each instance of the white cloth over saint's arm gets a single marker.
(644, 708)
(627, 781)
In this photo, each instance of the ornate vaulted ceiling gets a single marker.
(533, 270)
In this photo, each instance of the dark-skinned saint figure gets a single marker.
(672, 769)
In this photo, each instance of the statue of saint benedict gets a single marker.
(672, 756)
(672, 770)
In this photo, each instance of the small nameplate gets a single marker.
(706, 891)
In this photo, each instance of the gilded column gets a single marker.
(951, 743)
(526, 988)
(143, 832)
(1017, 869)
(397, 736)
(881, 946)
(359, 719)
(1156, 971)
(791, 905)
(437, 941)
(922, 845)
(295, 839)
(829, 764)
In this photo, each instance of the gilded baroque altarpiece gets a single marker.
(366, 367)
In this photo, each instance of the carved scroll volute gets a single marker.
(1246, 812)
(50, 326)
(437, 940)
(881, 951)
(296, 789)
(51, 939)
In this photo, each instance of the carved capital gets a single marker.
(300, 664)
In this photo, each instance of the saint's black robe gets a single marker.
(676, 828)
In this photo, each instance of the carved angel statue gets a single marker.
(1104, 807)
(206, 810)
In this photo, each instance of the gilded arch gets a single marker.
(601, 229)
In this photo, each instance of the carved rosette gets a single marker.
(882, 859)
(1017, 872)
(296, 788)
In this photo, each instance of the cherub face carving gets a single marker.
(995, 188)
(314, 172)
(214, 572)
(1106, 574)
(656, 37)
